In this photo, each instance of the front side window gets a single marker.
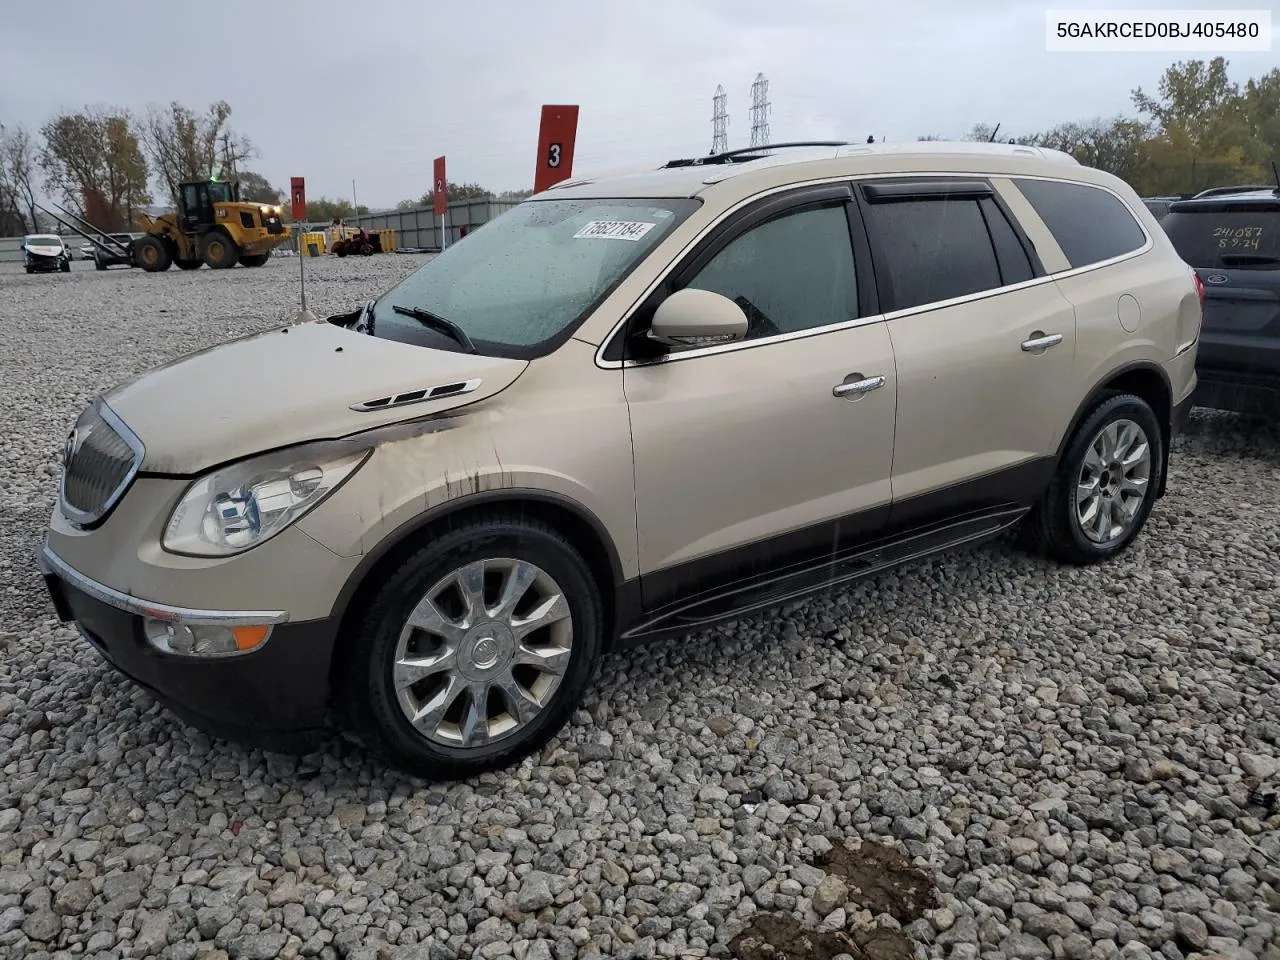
(930, 250)
(1090, 224)
(792, 273)
(530, 276)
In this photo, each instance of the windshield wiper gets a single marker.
(428, 319)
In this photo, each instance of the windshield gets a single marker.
(221, 192)
(43, 241)
(1227, 239)
(521, 282)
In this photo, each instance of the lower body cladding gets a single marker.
(273, 695)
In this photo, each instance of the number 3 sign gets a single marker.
(556, 135)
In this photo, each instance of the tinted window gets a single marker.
(1090, 225)
(931, 250)
(1015, 265)
(1226, 239)
(794, 272)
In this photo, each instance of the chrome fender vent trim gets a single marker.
(418, 396)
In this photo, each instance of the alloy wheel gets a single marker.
(1113, 481)
(483, 652)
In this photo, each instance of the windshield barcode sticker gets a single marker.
(614, 230)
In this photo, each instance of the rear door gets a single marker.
(1234, 245)
(984, 353)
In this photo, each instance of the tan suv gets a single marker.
(629, 407)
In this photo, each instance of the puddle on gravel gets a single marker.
(881, 879)
(886, 881)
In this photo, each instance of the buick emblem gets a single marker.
(73, 439)
(1216, 278)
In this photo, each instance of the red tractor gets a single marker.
(363, 243)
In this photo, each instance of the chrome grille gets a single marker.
(102, 456)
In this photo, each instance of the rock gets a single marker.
(997, 893)
(1260, 767)
(1190, 931)
(832, 892)
(257, 946)
(154, 935)
(721, 726)
(42, 925)
(1056, 846)
(1128, 688)
(535, 891)
(73, 899)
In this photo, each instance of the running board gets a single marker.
(742, 599)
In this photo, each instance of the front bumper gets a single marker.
(275, 697)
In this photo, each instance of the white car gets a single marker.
(45, 252)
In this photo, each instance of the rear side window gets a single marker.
(1090, 224)
(930, 250)
(1225, 239)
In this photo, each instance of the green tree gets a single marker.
(456, 193)
(184, 145)
(93, 160)
(324, 210)
(255, 188)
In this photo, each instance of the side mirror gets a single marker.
(697, 318)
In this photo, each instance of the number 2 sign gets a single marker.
(556, 135)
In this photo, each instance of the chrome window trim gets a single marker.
(82, 518)
(860, 321)
(51, 563)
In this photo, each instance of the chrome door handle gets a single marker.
(1041, 341)
(856, 388)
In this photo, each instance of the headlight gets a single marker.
(238, 507)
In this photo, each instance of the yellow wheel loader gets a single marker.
(211, 225)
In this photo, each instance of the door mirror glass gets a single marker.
(697, 318)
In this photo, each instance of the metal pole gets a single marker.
(444, 240)
(355, 207)
(302, 277)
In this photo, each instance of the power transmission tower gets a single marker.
(760, 111)
(719, 121)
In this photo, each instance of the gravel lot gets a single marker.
(1079, 763)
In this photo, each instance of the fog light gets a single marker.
(202, 639)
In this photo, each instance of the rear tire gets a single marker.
(505, 689)
(254, 259)
(341, 251)
(151, 254)
(218, 250)
(1104, 487)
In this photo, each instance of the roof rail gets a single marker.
(744, 154)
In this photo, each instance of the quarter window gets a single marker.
(1089, 223)
(794, 272)
(930, 250)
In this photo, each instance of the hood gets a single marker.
(44, 250)
(288, 386)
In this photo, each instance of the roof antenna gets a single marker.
(992, 138)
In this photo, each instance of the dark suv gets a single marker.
(1233, 242)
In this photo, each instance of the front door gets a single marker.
(196, 206)
(773, 453)
(984, 356)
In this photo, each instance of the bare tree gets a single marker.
(94, 160)
(186, 146)
(17, 171)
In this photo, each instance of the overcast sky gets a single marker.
(335, 90)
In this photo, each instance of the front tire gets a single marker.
(254, 259)
(151, 254)
(1105, 484)
(474, 652)
(218, 250)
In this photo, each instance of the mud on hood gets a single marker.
(291, 385)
